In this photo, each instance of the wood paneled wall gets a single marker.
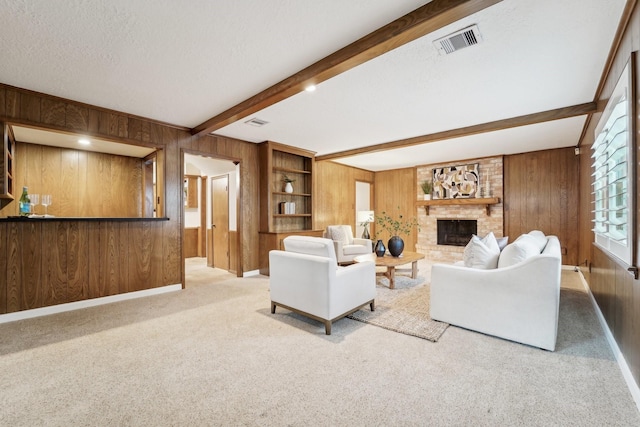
(190, 242)
(615, 290)
(21, 106)
(395, 193)
(81, 183)
(233, 250)
(52, 262)
(336, 193)
(29, 108)
(541, 192)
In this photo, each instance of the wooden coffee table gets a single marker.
(391, 262)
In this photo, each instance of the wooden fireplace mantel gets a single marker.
(486, 201)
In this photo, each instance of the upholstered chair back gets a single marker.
(311, 246)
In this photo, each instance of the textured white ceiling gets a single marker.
(179, 62)
(184, 62)
(535, 56)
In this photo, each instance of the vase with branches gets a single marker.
(396, 226)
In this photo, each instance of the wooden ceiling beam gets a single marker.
(529, 119)
(424, 20)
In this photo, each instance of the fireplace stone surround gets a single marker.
(427, 242)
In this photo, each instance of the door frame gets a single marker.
(238, 170)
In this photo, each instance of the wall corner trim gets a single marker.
(251, 273)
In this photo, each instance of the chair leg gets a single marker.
(372, 305)
(273, 308)
(327, 327)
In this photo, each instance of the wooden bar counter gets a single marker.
(55, 260)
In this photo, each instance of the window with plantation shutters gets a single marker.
(612, 172)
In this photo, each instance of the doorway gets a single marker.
(364, 203)
(211, 236)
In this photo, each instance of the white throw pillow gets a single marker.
(539, 237)
(338, 233)
(482, 253)
(502, 242)
(517, 252)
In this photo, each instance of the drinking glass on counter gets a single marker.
(46, 201)
(34, 201)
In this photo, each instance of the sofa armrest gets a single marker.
(337, 246)
(362, 242)
(519, 303)
(353, 286)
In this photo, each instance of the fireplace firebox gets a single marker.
(456, 232)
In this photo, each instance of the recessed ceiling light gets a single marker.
(310, 88)
(84, 141)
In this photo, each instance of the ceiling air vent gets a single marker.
(458, 40)
(256, 122)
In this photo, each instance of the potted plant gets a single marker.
(396, 227)
(427, 187)
(288, 187)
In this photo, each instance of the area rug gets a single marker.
(404, 309)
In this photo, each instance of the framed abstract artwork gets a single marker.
(456, 182)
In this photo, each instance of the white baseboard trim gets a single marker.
(76, 305)
(622, 363)
(251, 273)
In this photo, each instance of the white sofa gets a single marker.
(515, 301)
(305, 278)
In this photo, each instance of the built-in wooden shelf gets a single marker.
(486, 201)
(276, 161)
(284, 193)
(290, 170)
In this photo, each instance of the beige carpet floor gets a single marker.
(214, 355)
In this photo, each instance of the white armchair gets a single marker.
(306, 279)
(345, 245)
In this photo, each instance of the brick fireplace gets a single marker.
(490, 168)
